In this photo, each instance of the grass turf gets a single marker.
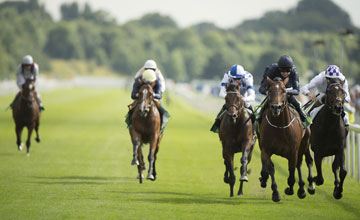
(81, 169)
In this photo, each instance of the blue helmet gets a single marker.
(237, 72)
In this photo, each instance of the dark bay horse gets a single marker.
(328, 136)
(26, 114)
(145, 129)
(282, 133)
(236, 135)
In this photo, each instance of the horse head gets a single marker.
(233, 100)
(27, 91)
(277, 95)
(146, 96)
(335, 97)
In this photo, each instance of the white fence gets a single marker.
(353, 151)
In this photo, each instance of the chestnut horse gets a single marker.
(26, 114)
(236, 135)
(329, 136)
(145, 129)
(282, 133)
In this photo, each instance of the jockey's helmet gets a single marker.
(285, 63)
(150, 64)
(27, 60)
(148, 76)
(332, 71)
(237, 72)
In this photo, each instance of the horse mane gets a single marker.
(232, 86)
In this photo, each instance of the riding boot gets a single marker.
(216, 126)
(41, 106)
(164, 117)
(15, 100)
(128, 118)
(303, 116)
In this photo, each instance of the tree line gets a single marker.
(201, 51)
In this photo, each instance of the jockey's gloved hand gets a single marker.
(247, 105)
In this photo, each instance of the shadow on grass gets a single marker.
(78, 180)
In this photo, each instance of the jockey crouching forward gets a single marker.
(148, 77)
(283, 69)
(238, 75)
(28, 69)
(321, 82)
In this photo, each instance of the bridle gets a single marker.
(145, 106)
(235, 114)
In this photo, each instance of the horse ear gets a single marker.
(226, 86)
(286, 80)
(140, 82)
(343, 82)
(270, 81)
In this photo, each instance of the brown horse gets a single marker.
(236, 135)
(145, 129)
(328, 136)
(26, 114)
(282, 133)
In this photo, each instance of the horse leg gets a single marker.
(291, 179)
(243, 170)
(155, 155)
(151, 159)
(341, 162)
(136, 145)
(301, 192)
(37, 139)
(28, 141)
(275, 195)
(18, 130)
(229, 166)
(141, 165)
(265, 170)
(319, 180)
(309, 163)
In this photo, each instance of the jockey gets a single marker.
(28, 69)
(245, 79)
(151, 64)
(283, 69)
(321, 81)
(148, 76)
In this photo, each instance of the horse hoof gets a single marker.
(244, 178)
(28, 154)
(319, 181)
(275, 197)
(20, 147)
(135, 162)
(262, 183)
(37, 140)
(311, 191)
(142, 176)
(289, 191)
(151, 177)
(301, 193)
(337, 194)
(240, 193)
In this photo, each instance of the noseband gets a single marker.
(236, 113)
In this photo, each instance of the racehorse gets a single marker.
(26, 113)
(145, 129)
(236, 135)
(328, 136)
(282, 133)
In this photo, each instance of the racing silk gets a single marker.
(159, 75)
(137, 86)
(319, 82)
(272, 71)
(247, 88)
(22, 74)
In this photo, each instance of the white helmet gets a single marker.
(150, 64)
(148, 76)
(28, 60)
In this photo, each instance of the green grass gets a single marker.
(81, 169)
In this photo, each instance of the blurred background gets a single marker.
(194, 43)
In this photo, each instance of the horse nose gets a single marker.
(234, 116)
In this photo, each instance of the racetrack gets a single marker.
(81, 169)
